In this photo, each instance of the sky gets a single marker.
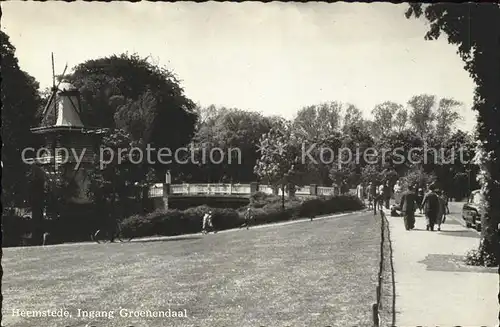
(270, 57)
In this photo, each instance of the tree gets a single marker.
(352, 117)
(446, 117)
(384, 118)
(422, 116)
(317, 122)
(20, 102)
(114, 177)
(123, 84)
(397, 147)
(137, 117)
(236, 133)
(475, 30)
(417, 177)
(371, 174)
(280, 161)
(401, 120)
(457, 176)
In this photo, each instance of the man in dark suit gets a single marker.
(408, 206)
(430, 204)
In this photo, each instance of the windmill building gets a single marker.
(69, 145)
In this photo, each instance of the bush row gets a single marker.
(13, 230)
(265, 209)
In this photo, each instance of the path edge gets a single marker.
(386, 283)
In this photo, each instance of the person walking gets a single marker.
(207, 222)
(430, 205)
(397, 191)
(408, 206)
(248, 218)
(387, 194)
(372, 193)
(361, 192)
(378, 199)
(420, 198)
(447, 209)
(441, 216)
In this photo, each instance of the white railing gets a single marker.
(156, 191)
(241, 189)
(305, 190)
(266, 189)
(230, 189)
(322, 190)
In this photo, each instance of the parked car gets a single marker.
(473, 210)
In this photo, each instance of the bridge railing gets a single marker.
(322, 190)
(267, 189)
(304, 190)
(234, 189)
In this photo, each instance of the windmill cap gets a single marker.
(65, 86)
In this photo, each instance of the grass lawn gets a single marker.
(320, 273)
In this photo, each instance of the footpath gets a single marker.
(433, 285)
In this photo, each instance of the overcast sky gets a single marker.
(273, 57)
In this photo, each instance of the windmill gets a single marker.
(64, 101)
(68, 133)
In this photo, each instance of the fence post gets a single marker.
(378, 292)
(313, 189)
(166, 193)
(375, 315)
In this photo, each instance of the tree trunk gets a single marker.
(489, 162)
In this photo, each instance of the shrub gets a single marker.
(265, 209)
(260, 199)
(480, 257)
(14, 228)
(177, 222)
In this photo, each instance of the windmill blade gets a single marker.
(62, 75)
(52, 95)
(54, 87)
(53, 72)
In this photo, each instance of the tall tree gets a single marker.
(475, 29)
(113, 178)
(458, 174)
(398, 146)
(383, 118)
(446, 117)
(20, 102)
(422, 116)
(235, 133)
(107, 84)
(401, 120)
(280, 159)
(352, 117)
(317, 122)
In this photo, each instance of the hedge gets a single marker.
(14, 229)
(265, 209)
